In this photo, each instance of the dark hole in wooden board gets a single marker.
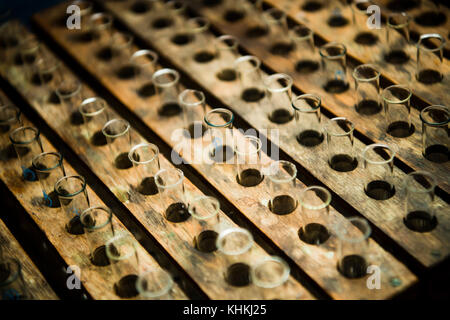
(177, 212)
(181, 39)
(306, 66)
(53, 98)
(169, 109)
(311, 6)
(122, 161)
(99, 257)
(256, 32)
(126, 287)
(402, 5)
(98, 139)
(140, 7)
(250, 178)
(281, 116)
(396, 57)
(353, 266)
(76, 118)
(52, 200)
(437, 153)
(82, 37)
(313, 233)
(281, 48)
(336, 21)
(37, 80)
(400, 129)
(206, 241)
(343, 163)
(310, 138)
(203, 57)
(429, 76)
(29, 174)
(431, 19)
(74, 226)
(211, 3)
(368, 107)
(336, 86)
(420, 221)
(127, 72)
(161, 23)
(105, 54)
(238, 275)
(379, 190)
(233, 15)
(227, 75)
(252, 95)
(147, 90)
(366, 39)
(283, 204)
(148, 186)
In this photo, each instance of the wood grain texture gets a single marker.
(177, 239)
(252, 201)
(36, 285)
(428, 248)
(98, 281)
(374, 127)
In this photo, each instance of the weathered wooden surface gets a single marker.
(318, 261)
(36, 286)
(73, 249)
(428, 248)
(204, 268)
(374, 127)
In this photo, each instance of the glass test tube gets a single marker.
(170, 15)
(420, 211)
(226, 52)
(29, 52)
(367, 87)
(308, 129)
(99, 228)
(101, 26)
(49, 168)
(279, 94)
(170, 183)
(340, 140)
(397, 108)
(315, 209)
(166, 82)
(202, 47)
(118, 137)
(145, 159)
(397, 38)
(305, 55)
(282, 181)
(47, 72)
(269, 272)
(353, 247)
(121, 50)
(124, 259)
(10, 119)
(334, 67)
(367, 35)
(430, 58)
(247, 69)
(205, 210)
(220, 128)
(278, 38)
(27, 143)
(236, 244)
(248, 155)
(234, 10)
(69, 94)
(339, 10)
(155, 284)
(12, 284)
(194, 108)
(74, 199)
(144, 63)
(95, 114)
(378, 164)
(435, 133)
(257, 27)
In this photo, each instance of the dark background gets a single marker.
(24, 9)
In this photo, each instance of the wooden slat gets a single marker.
(373, 127)
(37, 287)
(73, 249)
(251, 201)
(428, 248)
(177, 239)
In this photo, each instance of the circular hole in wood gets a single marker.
(313, 233)
(396, 57)
(98, 139)
(74, 226)
(431, 19)
(282, 205)
(203, 56)
(437, 153)
(169, 109)
(233, 15)
(227, 75)
(429, 76)
(177, 212)
(140, 7)
(400, 129)
(420, 221)
(353, 266)
(336, 86)
(147, 90)
(252, 95)
(306, 66)
(256, 32)
(311, 6)
(336, 21)
(181, 39)
(343, 163)
(206, 241)
(238, 275)
(161, 23)
(126, 287)
(402, 5)
(250, 178)
(366, 38)
(310, 138)
(281, 116)
(148, 186)
(122, 161)
(281, 48)
(368, 107)
(379, 190)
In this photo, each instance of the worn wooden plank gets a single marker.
(428, 248)
(73, 249)
(205, 269)
(251, 201)
(374, 127)
(36, 285)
